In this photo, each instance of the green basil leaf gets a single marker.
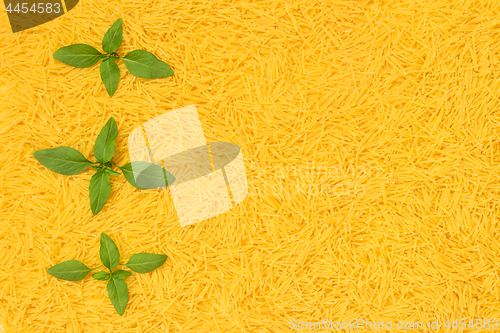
(104, 147)
(146, 262)
(121, 274)
(71, 270)
(113, 37)
(99, 191)
(108, 252)
(145, 175)
(111, 172)
(144, 64)
(118, 294)
(79, 55)
(129, 175)
(110, 75)
(102, 276)
(63, 160)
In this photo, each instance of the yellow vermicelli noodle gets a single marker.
(370, 133)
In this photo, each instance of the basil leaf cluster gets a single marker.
(69, 161)
(139, 63)
(75, 270)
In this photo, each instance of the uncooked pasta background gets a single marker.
(369, 131)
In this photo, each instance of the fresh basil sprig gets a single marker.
(74, 270)
(139, 63)
(69, 161)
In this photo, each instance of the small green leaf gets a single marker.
(145, 175)
(79, 55)
(96, 167)
(102, 276)
(99, 190)
(144, 64)
(110, 75)
(109, 254)
(146, 262)
(121, 274)
(118, 294)
(129, 175)
(63, 160)
(71, 270)
(111, 172)
(104, 147)
(113, 37)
